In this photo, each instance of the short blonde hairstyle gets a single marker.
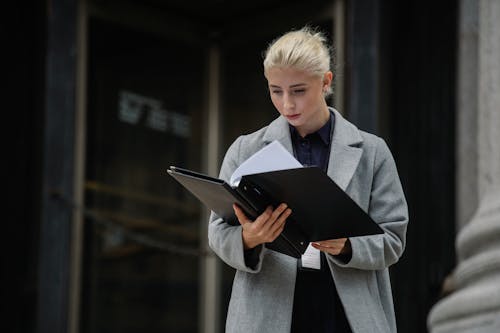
(303, 49)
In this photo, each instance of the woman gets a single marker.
(350, 292)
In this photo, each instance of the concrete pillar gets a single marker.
(57, 168)
(474, 304)
(210, 265)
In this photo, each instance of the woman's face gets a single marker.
(298, 96)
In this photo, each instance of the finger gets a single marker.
(240, 215)
(264, 217)
(277, 232)
(278, 211)
(280, 222)
(267, 225)
(332, 242)
(330, 250)
(332, 246)
(278, 226)
(327, 245)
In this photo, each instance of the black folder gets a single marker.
(321, 210)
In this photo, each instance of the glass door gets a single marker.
(144, 114)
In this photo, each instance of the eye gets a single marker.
(299, 91)
(276, 92)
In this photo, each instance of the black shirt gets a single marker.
(316, 305)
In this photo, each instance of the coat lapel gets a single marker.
(345, 152)
(344, 155)
(279, 130)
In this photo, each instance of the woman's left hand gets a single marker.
(334, 246)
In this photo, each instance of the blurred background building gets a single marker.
(110, 93)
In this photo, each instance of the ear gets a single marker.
(327, 79)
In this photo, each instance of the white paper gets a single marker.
(311, 258)
(272, 157)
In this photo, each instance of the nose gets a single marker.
(288, 102)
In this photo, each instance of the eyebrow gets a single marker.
(292, 86)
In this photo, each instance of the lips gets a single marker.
(293, 116)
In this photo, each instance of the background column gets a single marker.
(474, 304)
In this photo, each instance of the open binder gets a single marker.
(321, 210)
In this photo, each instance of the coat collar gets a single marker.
(345, 146)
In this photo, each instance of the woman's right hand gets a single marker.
(266, 228)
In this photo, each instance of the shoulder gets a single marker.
(243, 147)
(255, 139)
(375, 149)
(247, 144)
(351, 135)
(372, 141)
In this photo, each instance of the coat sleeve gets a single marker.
(226, 240)
(388, 208)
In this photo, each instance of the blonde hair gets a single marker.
(303, 49)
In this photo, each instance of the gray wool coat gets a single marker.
(362, 165)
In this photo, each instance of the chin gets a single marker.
(295, 122)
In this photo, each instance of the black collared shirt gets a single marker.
(314, 148)
(316, 305)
